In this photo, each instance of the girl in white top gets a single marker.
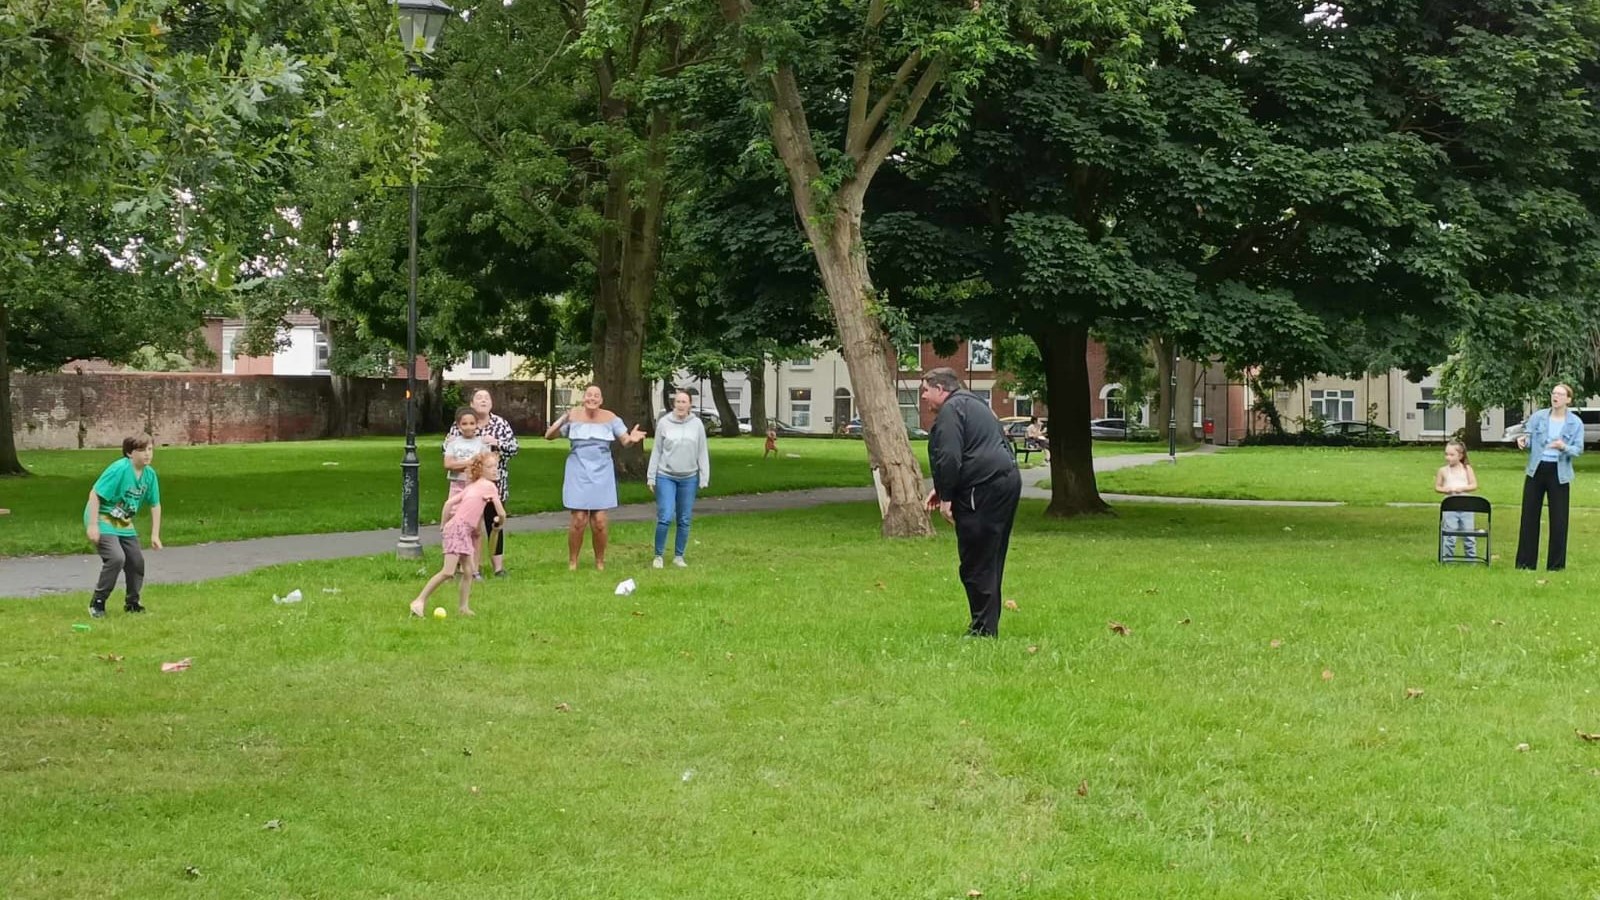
(1456, 477)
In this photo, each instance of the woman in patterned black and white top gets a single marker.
(497, 436)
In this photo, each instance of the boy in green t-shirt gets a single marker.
(117, 496)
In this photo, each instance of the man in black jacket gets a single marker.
(976, 486)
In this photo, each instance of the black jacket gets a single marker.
(967, 446)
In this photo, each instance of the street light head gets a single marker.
(420, 24)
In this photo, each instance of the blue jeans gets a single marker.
(674, 499)
(1460, 521)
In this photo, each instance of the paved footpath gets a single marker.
(40, 575)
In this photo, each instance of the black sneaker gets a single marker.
(133, 607)
(97, 612)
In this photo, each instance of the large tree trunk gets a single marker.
(629, 256)
(868, 353)
(725, 410)
(758, 397)
(9, 464)
(1472, 433)
(342, 420)
(1184, 401)
(1073, 492)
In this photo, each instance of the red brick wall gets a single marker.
(58, 411)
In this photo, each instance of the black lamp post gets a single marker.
(421, 21)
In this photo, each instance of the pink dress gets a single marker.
(463, 526)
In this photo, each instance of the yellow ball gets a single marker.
(438, 612)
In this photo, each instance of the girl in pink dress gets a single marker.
(462, 513)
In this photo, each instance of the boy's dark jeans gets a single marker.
(119, 553)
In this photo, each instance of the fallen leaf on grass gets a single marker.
(1584, 735)
(881, 586)
(272, 825)
(1413, 693)
(1496, 622)
(1152, 590)
(192, 871)
(638, 613)
(1119, 628)
(1033, 648)
(466, 751)
(1184, 621)
(974, 893)
(1011, 604)
(1463, 627)
(474, 789)
(1541, 581)
(1523, 748)
(1327, 674)
(1275, 643)
(1083, 788)
(178, 666)
(562, 707)
(111, 657)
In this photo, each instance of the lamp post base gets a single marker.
(409, 547)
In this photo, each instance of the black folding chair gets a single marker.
(1478, 534)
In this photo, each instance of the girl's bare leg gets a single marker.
(602, 536)
(580, 521)
(466, 594)
(419, 605)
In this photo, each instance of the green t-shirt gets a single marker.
(122, 495)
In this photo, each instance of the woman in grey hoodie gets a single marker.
(679, 466)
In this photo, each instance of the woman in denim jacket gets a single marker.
(1554, 437)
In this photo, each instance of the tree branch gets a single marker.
(857, 139)
(880, 148)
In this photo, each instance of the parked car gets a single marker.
(1017, 426)
(853, 429)
(782, 426)
(1361, 432)
(1116, 429)
(1591, 428)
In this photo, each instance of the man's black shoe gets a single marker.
(97, 612)
(133, 607)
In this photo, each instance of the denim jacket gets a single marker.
(1538, 431)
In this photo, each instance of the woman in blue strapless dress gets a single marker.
(589, 486)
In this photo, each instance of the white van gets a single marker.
(1591, 428)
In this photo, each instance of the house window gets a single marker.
(1022, 405)
(735, 398)
(320, 342)
(980, 355)
(228, 367)
(800, 407)
(1334, 406)
(908, 407)
(800, 363)
(1111, 397)
(480, 361)
(1432, 411)
(911, 360)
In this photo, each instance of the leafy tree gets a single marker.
(131, 137)
(845, 85)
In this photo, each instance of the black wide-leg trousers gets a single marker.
(1543, 482)
(984, 515)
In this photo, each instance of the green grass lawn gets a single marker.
(1362, 476)
(234, 491)
(795, 716)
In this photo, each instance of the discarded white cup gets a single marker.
(292, 597)
(625, 588)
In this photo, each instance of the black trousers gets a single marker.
(1543, 481)
(984, 515)
(488, 529)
